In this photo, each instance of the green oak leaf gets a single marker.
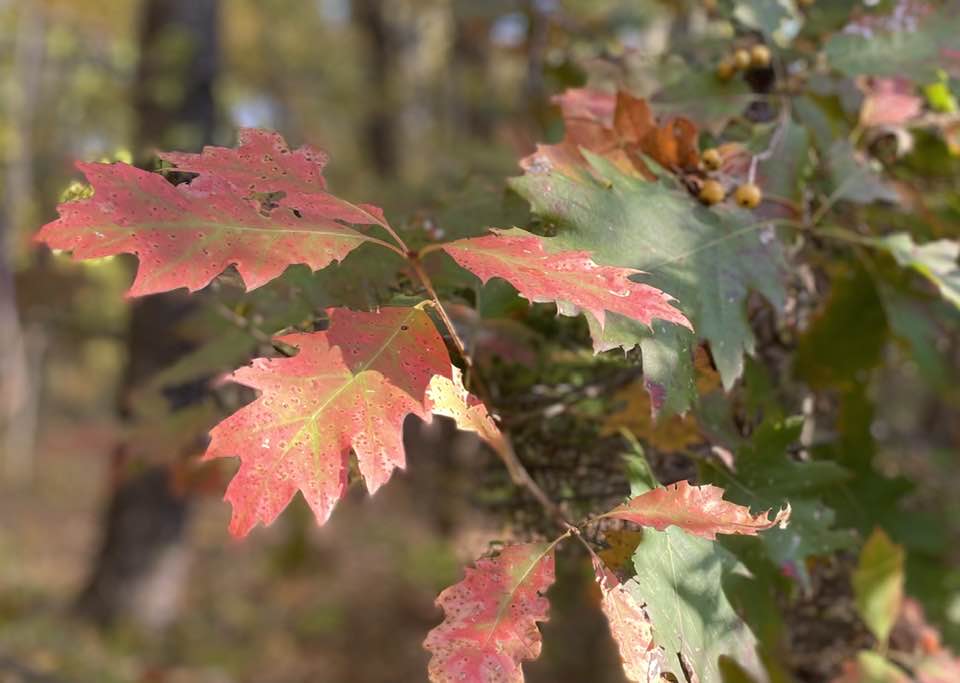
(918, 52)
(766, 476)
(854, 177)
(708, 259)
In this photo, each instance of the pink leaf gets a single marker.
(630, 627)
(263, 162)
(569, 278)
(698, 510)
(349, 387)
(889, 102)
(186, 235)
(491, 617)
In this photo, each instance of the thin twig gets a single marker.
(247, 326)
(518, 473)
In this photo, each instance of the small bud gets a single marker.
(711, 192)
(711, 159)
(748, 196)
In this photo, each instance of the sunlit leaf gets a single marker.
(490, 623)
(350, 387)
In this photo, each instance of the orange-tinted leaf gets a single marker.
(620, 127)
(630, 627)
(348, 387)
(569, 278)
(491, 617)
(449, 398)
(698, 510)
(186, 235)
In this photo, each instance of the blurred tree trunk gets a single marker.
(140, 569)
(372, 21)
(21, 350)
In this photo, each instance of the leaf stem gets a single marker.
(518, 473)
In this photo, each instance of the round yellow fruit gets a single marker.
(711, 159)
(725, 69)
(748, 196)
(712, 192)
(741, 58)
(760, 56)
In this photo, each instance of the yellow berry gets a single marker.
(748, 196)
(710, 5)
(712, 192)
(725, 69)
(807, 3)
(711, 159)
(741, 58)
(759, 56)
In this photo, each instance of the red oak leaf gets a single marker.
(186, 235)
(630, 627)
(491, 617)
(698, 510)
(348, 387)
(263, 162)
(569, 278)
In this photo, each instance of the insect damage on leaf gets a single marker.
(186, 235)
(350, 387)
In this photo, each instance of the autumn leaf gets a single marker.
(630, 627)
(569, 278)
(186, 235)
(448, 397)
(351, 386)
(619, 127)
(264, 163)
(889, 102)
(698, 510)
(491, 617)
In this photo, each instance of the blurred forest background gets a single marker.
(417, 102)
(113, 570)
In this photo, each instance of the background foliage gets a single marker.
(842, 287)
